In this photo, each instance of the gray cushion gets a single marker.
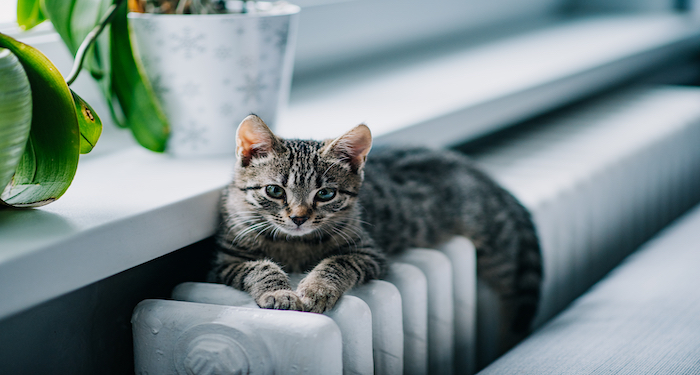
(644, 317)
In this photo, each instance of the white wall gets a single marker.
(348, 30)
(624, 5)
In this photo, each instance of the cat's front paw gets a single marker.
(317, 296)
(280, 300)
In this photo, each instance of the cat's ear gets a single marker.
(253, 139)
(352, 146)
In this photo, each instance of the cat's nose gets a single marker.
(299, 220)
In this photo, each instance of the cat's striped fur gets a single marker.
(318, 207)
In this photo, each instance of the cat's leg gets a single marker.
(264, 280)
(326, 283)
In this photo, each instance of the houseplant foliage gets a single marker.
(44, 127)
(109, 60)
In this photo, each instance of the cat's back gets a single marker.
(415, 159)
(414, 196)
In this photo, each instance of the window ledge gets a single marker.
(132, 206)
(443, 99)
(121, 210)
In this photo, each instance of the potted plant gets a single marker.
(211, 63)
(45, 125)
(109, 60)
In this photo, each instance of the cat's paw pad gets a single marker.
(317, 297)
(281, 300)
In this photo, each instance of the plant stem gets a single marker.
(180, 9)
(89, 39)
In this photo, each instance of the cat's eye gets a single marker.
(325, 194)
(274, 191)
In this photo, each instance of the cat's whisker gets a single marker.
(248, 230)
(247, 220)
(275, 232)
(270, 225)
(246, 223)
(237, 223)
(329, 234)
(243, 217)
(354, 230)
(347, 226)
(358, 220)
(331, 166)
(245, 212)
(345, 237)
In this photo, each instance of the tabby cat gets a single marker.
(322, 207)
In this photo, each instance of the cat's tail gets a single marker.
(510, 259)
(520, 302)
(528, 278)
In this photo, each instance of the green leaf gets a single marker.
(29, 13)
(85, 15)
(60, 12)
(136, 97)
(74, 19)
(111, 61)
(16, 110)
(89, 123)
(50, 158)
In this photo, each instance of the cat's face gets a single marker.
(297, 188)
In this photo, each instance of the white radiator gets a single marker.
(598, 179)
(407, 324)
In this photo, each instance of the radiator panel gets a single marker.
(413, 286)
(174, 337)
(438, 271)
(462, 256)
(352, 316)
(599, 179)
(384, 301)
(354, 319)
(421, 289)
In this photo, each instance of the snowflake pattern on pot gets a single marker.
(149, 26)
(246, 62)
(159, 87)
(282, 37)
(264, 25)
(193, 136)
(190, 89)
(188, 42)
(252, 88)
(209, 72)
(223, 52)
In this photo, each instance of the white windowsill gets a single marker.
(443, 100)
(132, 206)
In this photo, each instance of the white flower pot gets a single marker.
(211, 71)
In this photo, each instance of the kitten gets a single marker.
(321, 207)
